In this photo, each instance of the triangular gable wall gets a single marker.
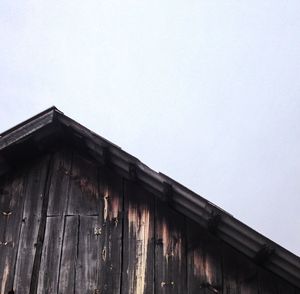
(50, 130)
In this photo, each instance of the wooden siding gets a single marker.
(68, 225)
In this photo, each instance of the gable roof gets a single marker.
(51, 126)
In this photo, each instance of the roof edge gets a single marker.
(232, 231)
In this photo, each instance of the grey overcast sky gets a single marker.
(207, 92)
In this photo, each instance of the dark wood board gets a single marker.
(170, 251)
(12, 206)
(4, 205)
(51, 256)
(69, 255)
(267, 282)
(88, 258)
(30, 225)
(59, 187)
(239, 273)
(204, 261)
(270, 283)
(138, 244)
(84, 194)
(110, 229)
(284, 287)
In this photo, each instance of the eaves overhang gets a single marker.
(39, 132)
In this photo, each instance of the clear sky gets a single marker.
(204, 91)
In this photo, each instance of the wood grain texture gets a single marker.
(270, 283)
(204, 261)
(284, 288)
(240, 274)
(170, 251)
(69, 255)
(51, 255)
(59, 187)
(4, 206)
(10, 219)
(267, 282)
(138, 245)
(88, 256)
(84, 194)
(30, 225)
(68, 225)
(111, 232)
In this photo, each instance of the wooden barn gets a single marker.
(80, 215)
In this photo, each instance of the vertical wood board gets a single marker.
(58, 191)
(51, 256)
(11, 218)
(240, 273)
(30, 225)
(138, 245)
(69, 255)
(88, 256)
(170, 251)
(84, 194)
(110, 232)
(204, 261)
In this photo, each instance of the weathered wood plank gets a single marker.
(11, 217)
(30, 225)
(138, 244)
(88, 256)
(270, 283)
(26, 128)
(4, 205)
(111, 224)
(51, 255)
(69, 255)
(266, 281)
(284, 287)
(204, 261)
(240, 273)
(84, 194)
(58, 191)
(170, 251)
